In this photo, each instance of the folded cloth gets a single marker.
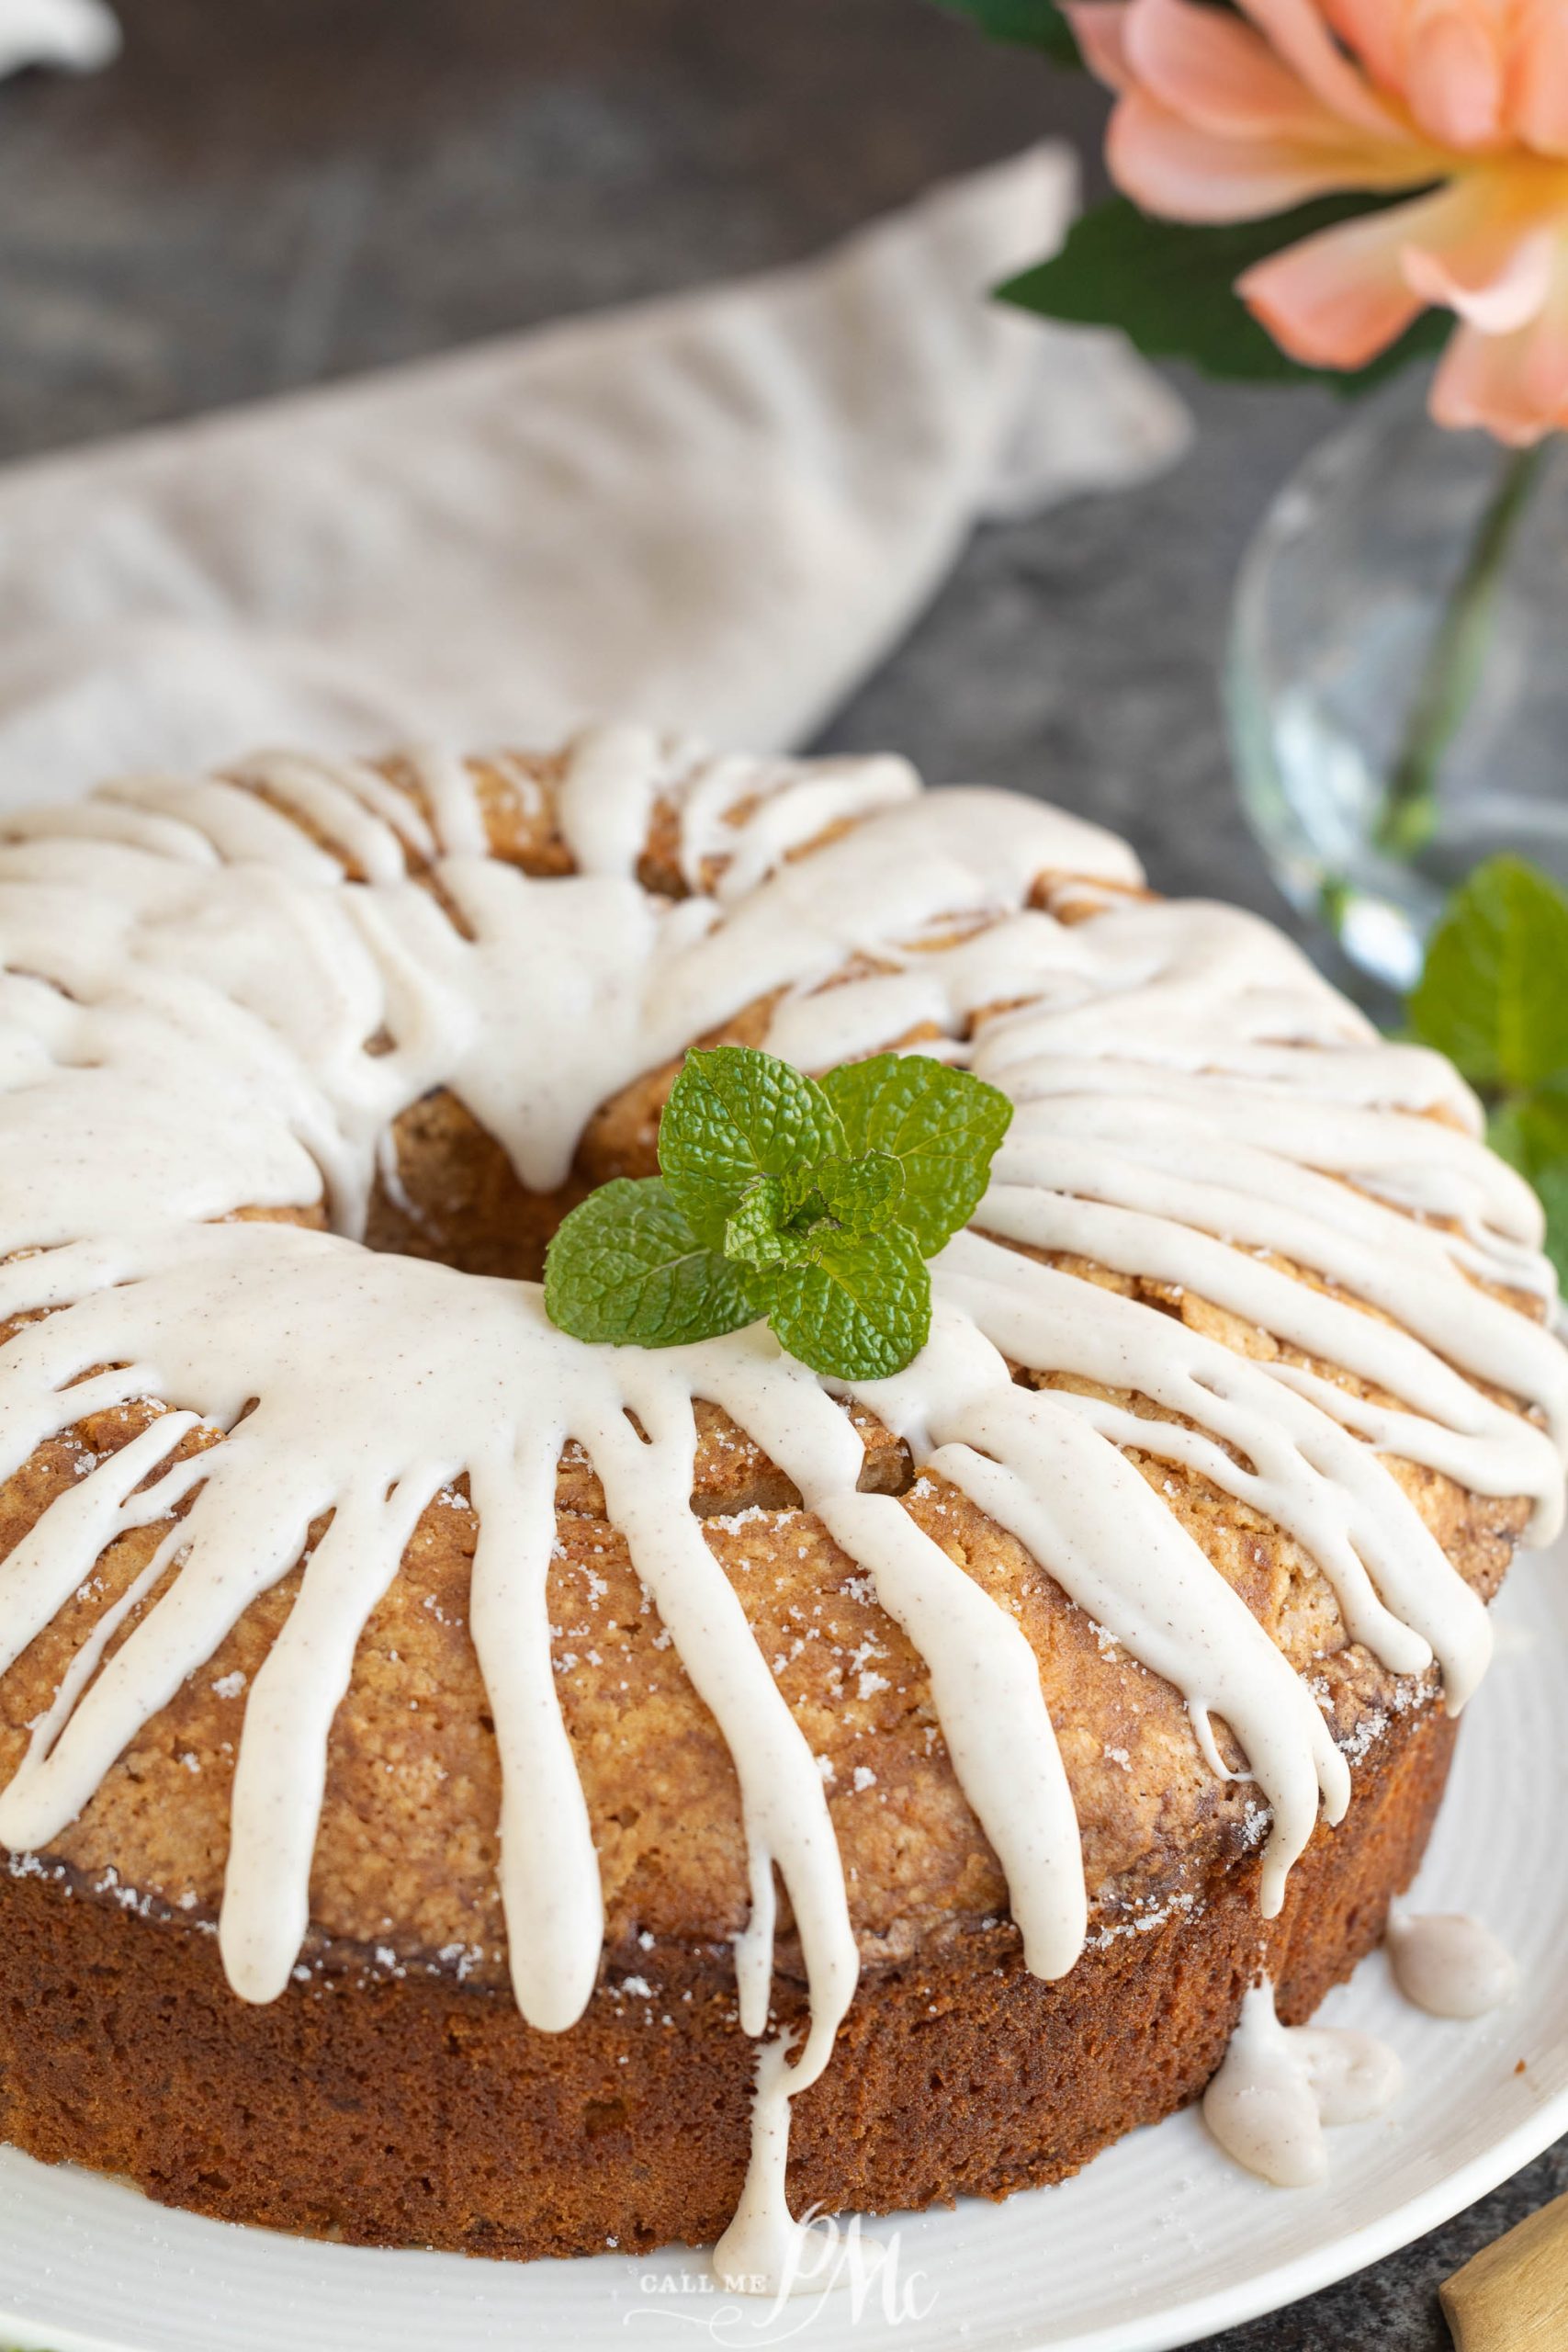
(714, 512)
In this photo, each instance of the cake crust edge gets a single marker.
(401, 2107)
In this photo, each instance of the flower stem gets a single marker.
(1454, 665)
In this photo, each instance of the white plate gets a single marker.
(1160, 2242)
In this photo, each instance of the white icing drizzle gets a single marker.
(200, 1014)
(1450, 1965)
(370, 823)
(450, 792)
(1258, 1441)
(1032, 1466)
(746, 822)
(1279, 2084)
(606, 800)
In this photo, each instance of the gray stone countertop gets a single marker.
(258, 197)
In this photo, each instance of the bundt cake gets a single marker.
(470, 1788)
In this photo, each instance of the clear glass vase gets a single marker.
(1397, 676)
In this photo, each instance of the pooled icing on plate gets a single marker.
(1449, 1965)
(1281, 2084)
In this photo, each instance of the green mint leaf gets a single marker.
(735, 1114)
(864, 1194)
(1494, 995)
(781, 1218)
(800, 1189)
(1169, 285)
(861, 1310)
(762, 1232)
(1031, 24)
(1493, 998)
(942, 1126)
(1532, 1134)
(1551, 1182)
(1531, 1131)
(627, 1267)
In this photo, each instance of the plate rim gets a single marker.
(1316, 2267)
(1188, 2322)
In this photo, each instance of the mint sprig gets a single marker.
(1493, 996)
(816, 1205)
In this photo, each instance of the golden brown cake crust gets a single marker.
(393, 2108)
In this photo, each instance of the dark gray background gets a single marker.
(257, 197)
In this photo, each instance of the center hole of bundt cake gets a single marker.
(446, 1190)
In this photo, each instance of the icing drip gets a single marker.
(1032, 1466)
(200, 1014)
(1279, 2084)
(763, 2240)
(1448, 1966)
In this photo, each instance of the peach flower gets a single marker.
(1222, 117)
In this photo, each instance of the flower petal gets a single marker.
(1453, 73)
(1303, 38)
(1171, 167)
(1546, 362)
(1371, 28)
(1538, 76)
(1482, 251)
(1339, 298)
(1219, 74)
(1099, 28)
(1483, 380)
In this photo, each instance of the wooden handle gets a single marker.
(1514, 2296)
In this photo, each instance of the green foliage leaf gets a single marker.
(1031, 24)
(1169, 286)
(942, 1126)
(861, 1310)
(1494, 995)
(733, 1116)
(626, 1266)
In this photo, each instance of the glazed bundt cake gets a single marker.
(470, 1788)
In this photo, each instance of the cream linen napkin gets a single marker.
(714, 512)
